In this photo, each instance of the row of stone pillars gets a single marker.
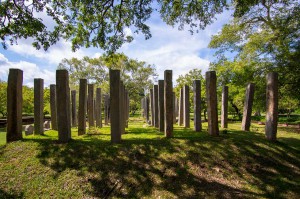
(183, 112)
(63, 113)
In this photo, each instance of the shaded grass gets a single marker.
(147, 165)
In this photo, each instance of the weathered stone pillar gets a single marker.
(74, 111)
(272, 106)
(224, 109)
(197, 105)
(115, 118)
(14, 105)
(212, 107)
(152, 107)
(155, 101)
(126, 108)
(147, 109)
(180, 115)
(122, 107)
(143, 107)
(82, 109)
(91, 114)
(53, 106)
(186, 106)
(168, 103)
(174, 108)
(106, 109)
(38, 106)
(161, 105)
(98, 107)
(248, 107)
(63, 105)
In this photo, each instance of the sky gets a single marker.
(167, 49)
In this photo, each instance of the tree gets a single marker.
(102, 23)
(264, 38)
(136, 75)
(3, 97)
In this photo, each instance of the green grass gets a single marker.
(146, 165)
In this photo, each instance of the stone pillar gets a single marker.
(98, 107)
(174, 108)
(143, 107)
(122, 118)
(53, 106)
(197, 105)
(180, 115)
(168, 105)
(14, 105)
(82, 109)
(147, 109)
(106, 109)
(152, 107)
(272, 106)
(248, 107)
(91, 114)
(212, 107)
(161, 105)
(126, 108)
(74, 111)
(186, 106)
(155, 101)
(38, 106)
(63, 105)
(224, 109)
(115, 119)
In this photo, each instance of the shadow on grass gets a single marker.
(191, 165)
(4, 194)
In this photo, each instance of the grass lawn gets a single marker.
(146, 165)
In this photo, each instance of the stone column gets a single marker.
(212, 107)
(248, 107)
(186, 106)
(106, 109)
(14, 105)
(155, 101)
(38, 106)
(272, 106)
(161, 105)
(174, 108)
(197, 105)
(122, 107)
(98, 108)
(63, 105)
(126, 108)
(168, 105)
(82, 109)
(115, 119)
(147, 109)
(180, 115)
(74, 111)
(224, 109)
(143, 107)
(53, 106)
(91, 114)
(152, 107)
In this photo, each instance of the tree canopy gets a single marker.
(264, 39)
(102, 23)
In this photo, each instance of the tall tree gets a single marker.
(263, 38)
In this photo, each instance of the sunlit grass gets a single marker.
(235, 164)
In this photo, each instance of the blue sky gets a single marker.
(168, 48)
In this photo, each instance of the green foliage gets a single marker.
(28, 100)
(3, 97)
(102, 24)
(136, 75)
(260, 39)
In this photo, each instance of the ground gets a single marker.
(146, 165)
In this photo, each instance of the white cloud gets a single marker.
(30, 71)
